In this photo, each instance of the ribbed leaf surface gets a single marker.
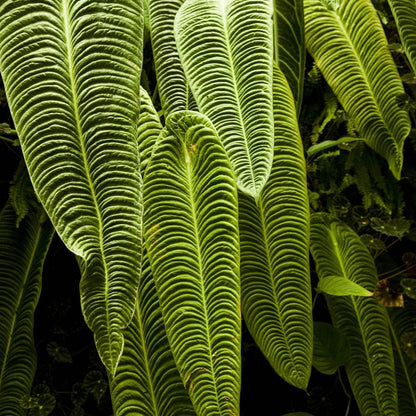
(22, 252)
(174, 91)
(72, 73)
(147, 381)
(348, 44)
(364, 322)
(403, 323)
(226, 49)
(404, 12)
(276, 290)
(148, 130)
(191, 230)
(289, 44)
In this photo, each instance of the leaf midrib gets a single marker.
(273, 285)
(223, 14)
(146, 357)
(189, 182)
(354, 303)
(366, 79)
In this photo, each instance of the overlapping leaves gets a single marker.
(216, 46)
(337, 250)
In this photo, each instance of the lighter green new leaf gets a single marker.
(404, 12)
(348, 44)
(71, 70)
(341, 286)
(191, 234)
(276, 290)
(337, 250)
(22, 253)
(226, 49)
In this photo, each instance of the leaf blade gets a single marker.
(191, 235)
(349, 46)
(231, 89)
(363, 321)
(22, 253)
(63, 89)
(276, 291)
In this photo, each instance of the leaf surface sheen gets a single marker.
(216, 46)
(276, 290)
(71, 70)
(337, 250)
(347, 41)
(191, 234)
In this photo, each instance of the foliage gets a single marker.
(189, 154)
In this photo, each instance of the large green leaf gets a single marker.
(72, 73)
(289, 44)
(226, 49)
(22, 252)
(363, 321)
(147, 382)
(404, 12)
(403, 325)
(276, 290)
(348, 44)
(174, 91)
(191, 230)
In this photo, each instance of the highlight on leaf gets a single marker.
(341, 286)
